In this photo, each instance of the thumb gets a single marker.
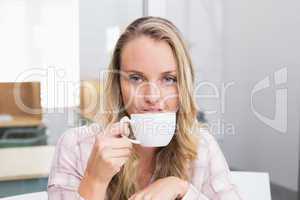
(118, 129)
(125, 122)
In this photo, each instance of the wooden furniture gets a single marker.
(22, 102)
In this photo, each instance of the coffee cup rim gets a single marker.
(155, 113)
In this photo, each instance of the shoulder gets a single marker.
(75, 145)
(73, 149)
(207, 147)
(210, 172)
(210, 158)
(206, 139)
(79, 135)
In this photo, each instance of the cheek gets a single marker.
(125, 89)
(128, 96)
(170, 98)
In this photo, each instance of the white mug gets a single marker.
(152, 129)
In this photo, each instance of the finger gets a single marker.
(147, 197)
(113, 130)
(126, 129)
(126, 122)
(123, 129)
(117, 143)
(125, 119)
(119, 129)
(132, 197)
(139, 196)
(117, 153)
(119, 161)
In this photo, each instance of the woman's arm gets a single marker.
(66, 181)
(109, 152)
(65, 175)
(92, 189)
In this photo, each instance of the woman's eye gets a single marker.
(135, 78)
(169, 80)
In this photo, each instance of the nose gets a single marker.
(152, 93)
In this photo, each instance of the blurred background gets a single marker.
(246, 54)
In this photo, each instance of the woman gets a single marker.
(150, 71)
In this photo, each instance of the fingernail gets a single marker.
(124, 119)
(134, 141)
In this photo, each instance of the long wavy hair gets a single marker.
(174, 159)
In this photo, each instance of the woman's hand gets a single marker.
(110, 152)
(168, 188)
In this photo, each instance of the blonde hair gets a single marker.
(173, 159)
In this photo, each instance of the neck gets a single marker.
(147, 156)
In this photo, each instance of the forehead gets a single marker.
(147, 55)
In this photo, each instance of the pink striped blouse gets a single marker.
(210, 175)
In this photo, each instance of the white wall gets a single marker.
(96, 18)
(261, 37)
(239, 43)
(35, 35)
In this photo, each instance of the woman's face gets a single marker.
(148, 76)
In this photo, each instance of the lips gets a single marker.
(152, 110)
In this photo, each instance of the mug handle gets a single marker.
(125, 119)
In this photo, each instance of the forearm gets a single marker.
(91, 189)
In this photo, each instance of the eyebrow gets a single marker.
(138, 72)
